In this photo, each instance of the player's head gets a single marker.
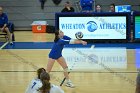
(46, 86)
(61, 33)
(67, 4)
(58, 34)
(98, 8)
(112, 7)
(39, 71)
(1, 10)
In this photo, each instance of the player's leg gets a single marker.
(62, 62)
(50, 64)
(8, 34)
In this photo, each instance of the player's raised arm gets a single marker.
(76, 41)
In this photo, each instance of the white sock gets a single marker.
(68, 80)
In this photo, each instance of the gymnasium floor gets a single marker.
(105, 68)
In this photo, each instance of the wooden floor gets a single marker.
(17, 68)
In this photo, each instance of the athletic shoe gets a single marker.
(11, 43)
(69, 84)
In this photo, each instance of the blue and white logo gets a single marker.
(92, 26)
(93, 59)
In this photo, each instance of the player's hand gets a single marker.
(84, 42)
(68, 8)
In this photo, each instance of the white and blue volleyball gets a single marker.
(79, 35)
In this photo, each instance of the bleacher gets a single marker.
(24, 12)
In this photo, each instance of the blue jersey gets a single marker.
(58, 46)
(3, 19)
(86, 4)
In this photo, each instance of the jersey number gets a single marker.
(34, 84)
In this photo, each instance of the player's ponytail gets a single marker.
(56, 36)
(46, 86)
(39, 71)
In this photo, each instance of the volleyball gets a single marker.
(79, 35)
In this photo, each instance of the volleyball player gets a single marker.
(42, 84)
(56, 53)
(138, 83)
(35, 83)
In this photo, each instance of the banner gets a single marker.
(103, 27)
